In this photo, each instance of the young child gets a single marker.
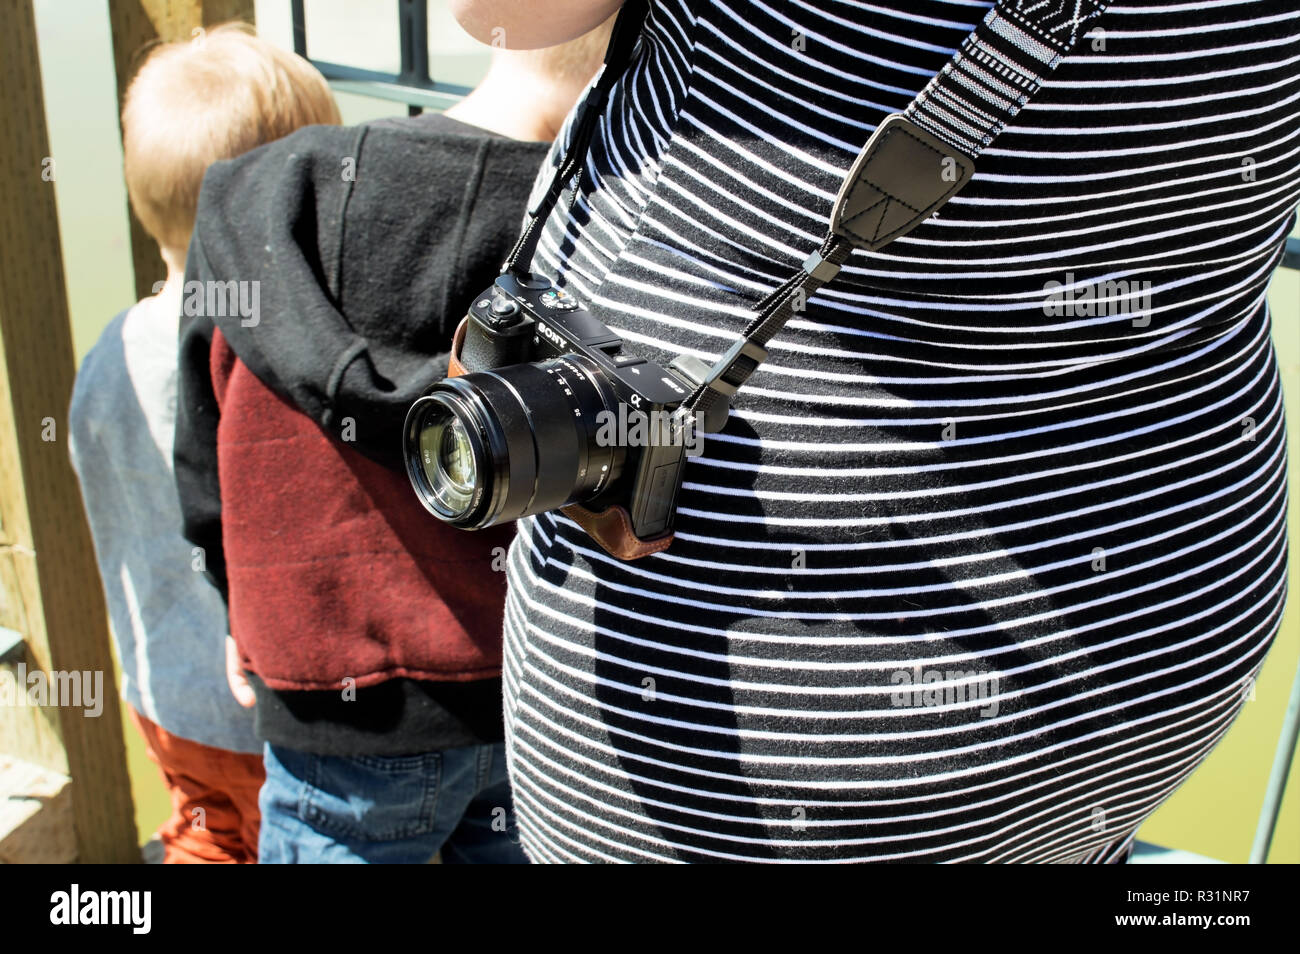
(190, 104)
(368, 633)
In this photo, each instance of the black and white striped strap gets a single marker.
(999, 68)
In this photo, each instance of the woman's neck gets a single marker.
(515, 101)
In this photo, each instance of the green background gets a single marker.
(1214, 813)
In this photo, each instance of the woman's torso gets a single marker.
(1074, 508)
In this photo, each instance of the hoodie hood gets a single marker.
(337, 262)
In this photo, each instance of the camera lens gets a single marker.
(493, 446)
(445, 466)
(448, 462)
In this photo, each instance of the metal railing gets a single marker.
(412, 85)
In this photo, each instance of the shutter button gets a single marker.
(503, 309)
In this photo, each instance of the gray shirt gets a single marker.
(169, 623)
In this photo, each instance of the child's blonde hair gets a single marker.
(214, 97)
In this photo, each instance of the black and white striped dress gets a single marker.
(966, 577)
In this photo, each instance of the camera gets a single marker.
(551, 411)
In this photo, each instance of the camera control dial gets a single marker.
(558, 299)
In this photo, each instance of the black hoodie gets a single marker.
(366, 245)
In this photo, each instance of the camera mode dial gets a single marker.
(558, 300)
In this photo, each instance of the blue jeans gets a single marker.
(365, 809)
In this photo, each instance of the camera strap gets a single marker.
(618, 55)
(914, 162)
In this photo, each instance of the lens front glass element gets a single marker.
(493, 446)
(447, 457)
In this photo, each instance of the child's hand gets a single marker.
(239, 687)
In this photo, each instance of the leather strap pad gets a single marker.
(901, 177)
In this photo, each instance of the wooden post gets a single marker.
(51, 585)
(137, 25)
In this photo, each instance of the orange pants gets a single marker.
(214, 817)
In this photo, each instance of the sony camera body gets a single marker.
(551, 410)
